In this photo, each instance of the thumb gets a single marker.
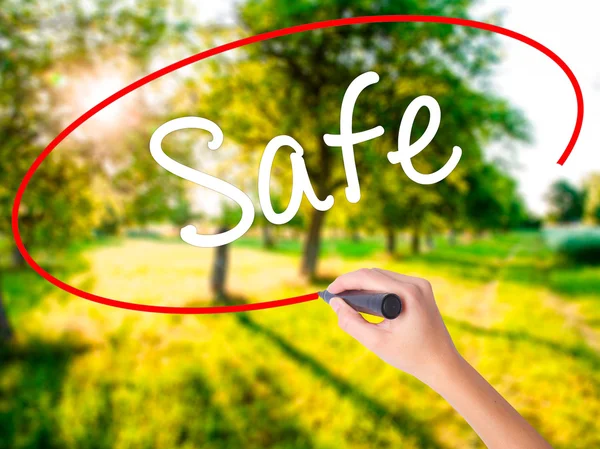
(352, 322)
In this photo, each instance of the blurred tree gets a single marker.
(148, 193)
(20, 61)
(472, 117)
(492, 201)
(218, 276)
(21, 120)
(566, 202)
(37, 41)
(266, 226)
(230, 216)
(518, 215)
(592, 198)
(353, 226)
(297, 225)
(6, 332)
(294, 85)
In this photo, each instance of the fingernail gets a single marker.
(335, 304)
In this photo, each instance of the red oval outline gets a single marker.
(230, 46)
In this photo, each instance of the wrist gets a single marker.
(449, 368)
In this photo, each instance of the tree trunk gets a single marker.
(219, 270)
(452, 237)
(268, 241)
(429, 240)
(17, 258)
(355, 236)
(416, 241)
(5, 329)
(312, 244)
(391, 241)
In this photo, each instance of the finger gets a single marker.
(399, 276)
(365, 279)
(352, 322)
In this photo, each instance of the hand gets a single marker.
(416, 342)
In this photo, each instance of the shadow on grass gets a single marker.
(23, 289)
(572, 280)
(32, 377)
(404, 422)
(270, 423)
(212, 423)
(464, 266)
(593, 323)
(581, 352)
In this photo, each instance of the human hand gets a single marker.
(416, 342)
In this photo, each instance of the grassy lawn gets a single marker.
(84, 375)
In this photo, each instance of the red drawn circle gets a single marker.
(230, 46)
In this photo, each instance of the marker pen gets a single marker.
(385, 305)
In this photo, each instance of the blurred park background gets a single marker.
(517, 283)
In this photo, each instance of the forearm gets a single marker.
(496, 422)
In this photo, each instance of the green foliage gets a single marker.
(73, 192)
(230, 215)
(592, 198)
(566, 202)
(110, 222)
(581, 246)
(61, 206)
(21, 59)
(492, 201)
(148, 193)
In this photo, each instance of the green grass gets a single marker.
(82, 375)
(330, 246)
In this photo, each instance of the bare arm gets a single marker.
(418, 343)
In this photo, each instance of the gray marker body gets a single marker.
(385, 305)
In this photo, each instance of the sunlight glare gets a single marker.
(83, 91)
